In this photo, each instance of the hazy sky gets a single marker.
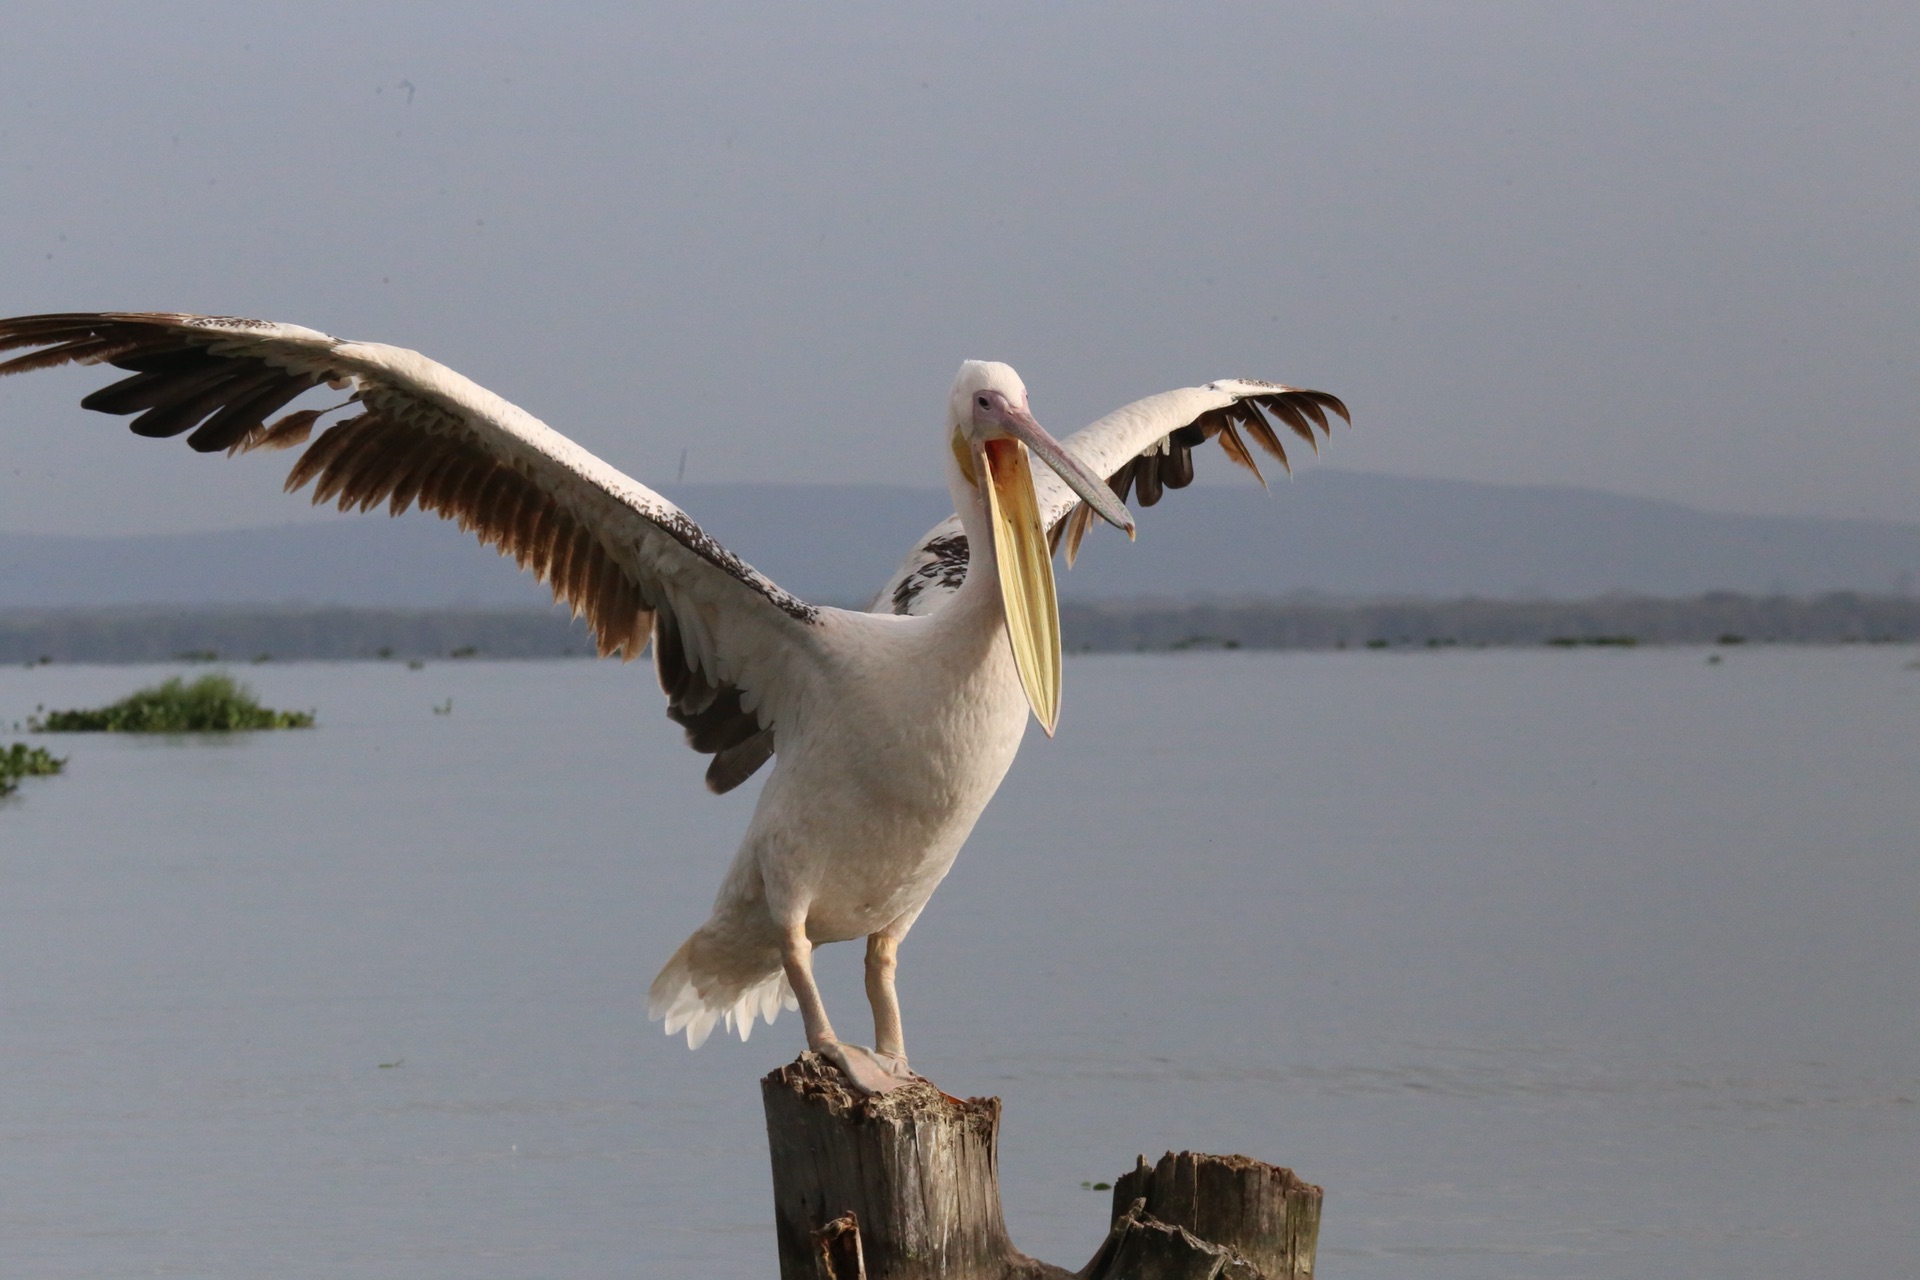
(1665, 249)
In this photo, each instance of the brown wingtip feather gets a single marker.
(1077, 526)
(1236, 448)
(285, 433)
(84, 352)
(1300, 416)
(1331, 402)
(1264, 435)
(80, 337)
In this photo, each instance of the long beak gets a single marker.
(1026, 576)
(1025, 558)
(1092, 489)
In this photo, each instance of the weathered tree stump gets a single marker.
(913, 1175)
(1266, 1214)
(907, 1186)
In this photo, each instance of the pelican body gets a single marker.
(889, 729)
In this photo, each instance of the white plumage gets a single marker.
(889, 730)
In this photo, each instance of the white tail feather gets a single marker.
(696, 1002)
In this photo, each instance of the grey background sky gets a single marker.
(1660, 249)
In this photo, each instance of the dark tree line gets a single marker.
(293, 634)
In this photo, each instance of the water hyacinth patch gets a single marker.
(215, 703)
(22, 761)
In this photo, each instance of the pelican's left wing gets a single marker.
(1142, 449)
(732, 650)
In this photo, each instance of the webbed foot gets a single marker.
(867, 1070)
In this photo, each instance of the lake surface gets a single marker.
(1544, 964)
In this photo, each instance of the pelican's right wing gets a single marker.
(1144, 448)
(732, 650)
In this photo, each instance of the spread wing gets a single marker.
(1143, 450)
(731, 649)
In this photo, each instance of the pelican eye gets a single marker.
(982, 401)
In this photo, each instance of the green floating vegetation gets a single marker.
(1604, 642)
(212, 704)
(22, 761)
(1203, 642)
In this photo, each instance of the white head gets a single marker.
(982, 377)
(990, 430)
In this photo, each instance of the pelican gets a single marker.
(889, 728)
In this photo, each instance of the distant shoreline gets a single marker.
(225, 633)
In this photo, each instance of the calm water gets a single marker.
(1544, 964)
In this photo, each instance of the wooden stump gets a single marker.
(916, 1171)
(907, 1187)
(1267, 1215)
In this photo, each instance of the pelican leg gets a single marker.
(866, 1070)
(796, 957)
(888, 1040)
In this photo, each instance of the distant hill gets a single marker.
(1331, 532)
